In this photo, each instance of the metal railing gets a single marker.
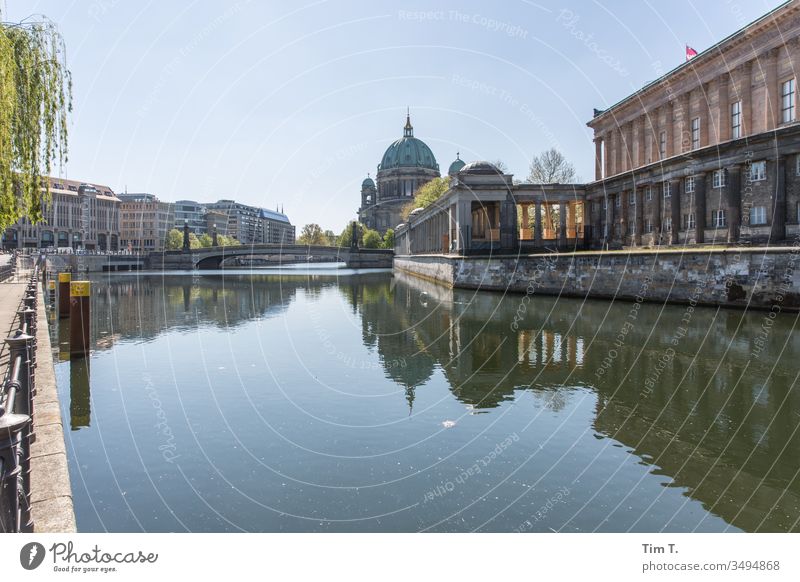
(16, 417)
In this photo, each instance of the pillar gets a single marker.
(464, 224)
(675, 193)
(723, 120)
(746, 96)
(609, 217)
(700, 208)
(772, 109)
(562, 219)
(509, 238)
(778, 230)
(537, 233)
(734, 195)
(598, 158)
(637, 237)
(623, 218)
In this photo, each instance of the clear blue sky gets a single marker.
(292, 103)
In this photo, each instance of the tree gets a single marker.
(551, 167)
(331, 237)
(35, 98)
(206, 240)
(427, 194)
(174, 241)
(343, 240)
(227, 241)
(312, 234)
(501, 165)
(388, 239)
(372, 239)
(194, 242)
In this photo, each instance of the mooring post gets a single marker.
(51, 288)
(79, 318)
(64, 280)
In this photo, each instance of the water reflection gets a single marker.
(687, 394)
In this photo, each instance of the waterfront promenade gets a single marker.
(51, 493)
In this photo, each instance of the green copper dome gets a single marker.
(456, 166)
(368, 183)
(408, 152)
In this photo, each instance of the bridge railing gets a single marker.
(16, 416)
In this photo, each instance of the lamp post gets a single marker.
(185, 235)
(214, 236)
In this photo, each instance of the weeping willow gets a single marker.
(35, 98)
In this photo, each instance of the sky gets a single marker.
(291, 104)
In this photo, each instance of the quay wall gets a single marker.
(760, 278)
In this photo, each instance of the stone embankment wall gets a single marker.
(763, 278)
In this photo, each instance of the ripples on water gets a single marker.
(330, 400)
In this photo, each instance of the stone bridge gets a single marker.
(219, 257)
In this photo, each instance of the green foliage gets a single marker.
(35, 98)
(227, 241)
(174, 241)
(388, 239)
(194, 242)
(371, 239)
(205, 240)
(427, 194)
(344, 239)
(312, 234)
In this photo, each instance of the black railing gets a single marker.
(16, 417)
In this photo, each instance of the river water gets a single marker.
(331, 400)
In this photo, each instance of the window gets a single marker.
(666, 190)
(668, 223)
(662, 144)
(758, 215)
(787, 101)
(648, 193)
(718, 219)
(736, 120)
(632, 198)
(758, 171)
(690, 184)
(648, 225)
(618, 200)
(688, 221)
(718, 179)
(695, 133)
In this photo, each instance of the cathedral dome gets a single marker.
(480, 168)
(408, 152)
(456, 166)
(368, 183)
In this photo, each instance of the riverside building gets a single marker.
(707, 154)
(81, 216)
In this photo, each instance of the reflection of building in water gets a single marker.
(689, 407)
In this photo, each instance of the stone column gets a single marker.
(642, 151)
(509, 238)
(537, 232)
(772, 108)
(609, 217)
(562, 219)
(657, 199)
(627, 151)
(571, 232)
(684, 142)
(734, 195)
(675, 205)
(637, 239)
(598, 158)
(704, 112)
(623, 218)
(669, 128)
(724, 110)
(778, 230)
(700, 208)
(464, 224)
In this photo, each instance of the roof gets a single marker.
(271, 214)
(64, 186)
(694, 61)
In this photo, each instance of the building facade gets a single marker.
(276, 228)
(243, 221)
(191, 213)
(709, 152)
(406, 165)
(144, 222)
(80, 216)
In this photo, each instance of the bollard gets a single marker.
(79, 316)
(63, 294)
(51, 288)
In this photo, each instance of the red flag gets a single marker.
(690, 52)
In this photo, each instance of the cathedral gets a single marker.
(406, 165)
